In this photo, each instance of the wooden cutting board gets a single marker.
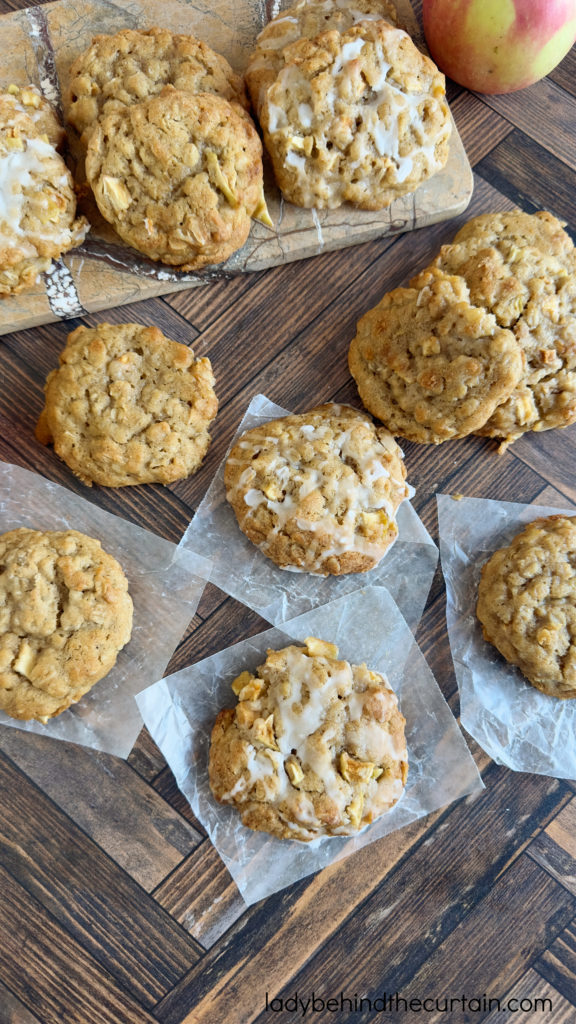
(39, 45)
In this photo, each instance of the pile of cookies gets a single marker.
(38, 220)
(172, 157)
(484, 339)
(351, 111)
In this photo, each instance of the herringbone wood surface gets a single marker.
(114, 907)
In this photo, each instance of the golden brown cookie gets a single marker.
(178, 176)
(356, 117)
(314, 747)
(318, 491)
(429, 364)
(133, 65)
(128, 406)
(306, 19)
(37, 201)
(522, 268)
(527, 604)
(65, 613)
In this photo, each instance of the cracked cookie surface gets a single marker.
(178, 176)
(128, 406)
(65, 613)
(429, 364)
(132, 65)
(357, 117)
(318, 491)
(306, 19)
(314, 747)
(527, 604)
(522, 268)
(37, 201)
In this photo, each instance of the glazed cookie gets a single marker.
(38, 205)
(527, 604)
(132, 66)
(318, 491)
(359, 117)
(522, 268)
(314, 747)
(178, 176)
(429, 364)
(306, 19)
(65, 613)
(128, 406)
(29, 100)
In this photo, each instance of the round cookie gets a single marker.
(522, 268)
(37, 202)
(133, 65)
(178, 176)
(65, 613)
(527, 604)
(128, 406)
(318, 491)
(429, 364)
(315, 746)
(306, 19)
(356, 117)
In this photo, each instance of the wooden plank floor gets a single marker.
(114, 907)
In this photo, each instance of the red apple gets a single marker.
(498, 45)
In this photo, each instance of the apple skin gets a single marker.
(496, 46)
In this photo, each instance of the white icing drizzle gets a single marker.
(378, 117)
(17, 170)
(355, 492)
(303, 729)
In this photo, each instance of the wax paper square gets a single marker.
(240, 569)
(179, 712)
(517, 725)
(165, 583)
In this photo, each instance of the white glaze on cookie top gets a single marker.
(314, 747)
(355, 117)
(328, 475)
(37, 201)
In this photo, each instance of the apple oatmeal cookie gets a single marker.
(527, 604)
(356, 117)
(128, 406)
(178, 176)
(314, 747)
(431, 365)
(318, 491)
(65, 613)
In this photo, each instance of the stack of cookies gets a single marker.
(351, 111)
(38, 220)
(172, 156)
(483, 341)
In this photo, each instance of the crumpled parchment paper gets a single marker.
(179, 712)
(514, 723)
(240, 569)
(165, 584)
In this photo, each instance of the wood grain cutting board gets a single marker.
(39, 45)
